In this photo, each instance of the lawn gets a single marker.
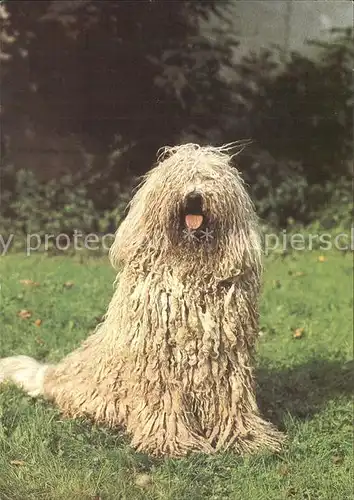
(305, 377)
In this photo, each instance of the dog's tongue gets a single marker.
(193, 221)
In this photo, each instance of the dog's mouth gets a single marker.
(198, 225)
(193, 213)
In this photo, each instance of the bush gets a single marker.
(278, 188)
(284, 196)
(336, 205)
(59, 206)
(301, 111)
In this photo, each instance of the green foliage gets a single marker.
(118, 75)
(59, 206)
(278, 188)
(6, 37)
(283, 194)
(302, 111)
(336, 203)
(300, 115)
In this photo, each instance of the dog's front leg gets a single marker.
(165, 426)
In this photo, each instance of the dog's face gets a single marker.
(192, 206)
(195, 222)
(206, 206)
(197, 214)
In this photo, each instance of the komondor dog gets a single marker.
(172, 360)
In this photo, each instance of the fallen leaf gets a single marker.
(17, 462)
(68, 284)
(284, 470)
(298, 333)
(321, 258)
(29, 283)
(38, 322)
(291, 492)
(24, 314)
(337, 459)
(39, 340)
(143, 480)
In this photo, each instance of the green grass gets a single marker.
(304, 387)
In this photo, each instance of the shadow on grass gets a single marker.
(302, 391)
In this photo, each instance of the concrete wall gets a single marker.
(261, 23)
